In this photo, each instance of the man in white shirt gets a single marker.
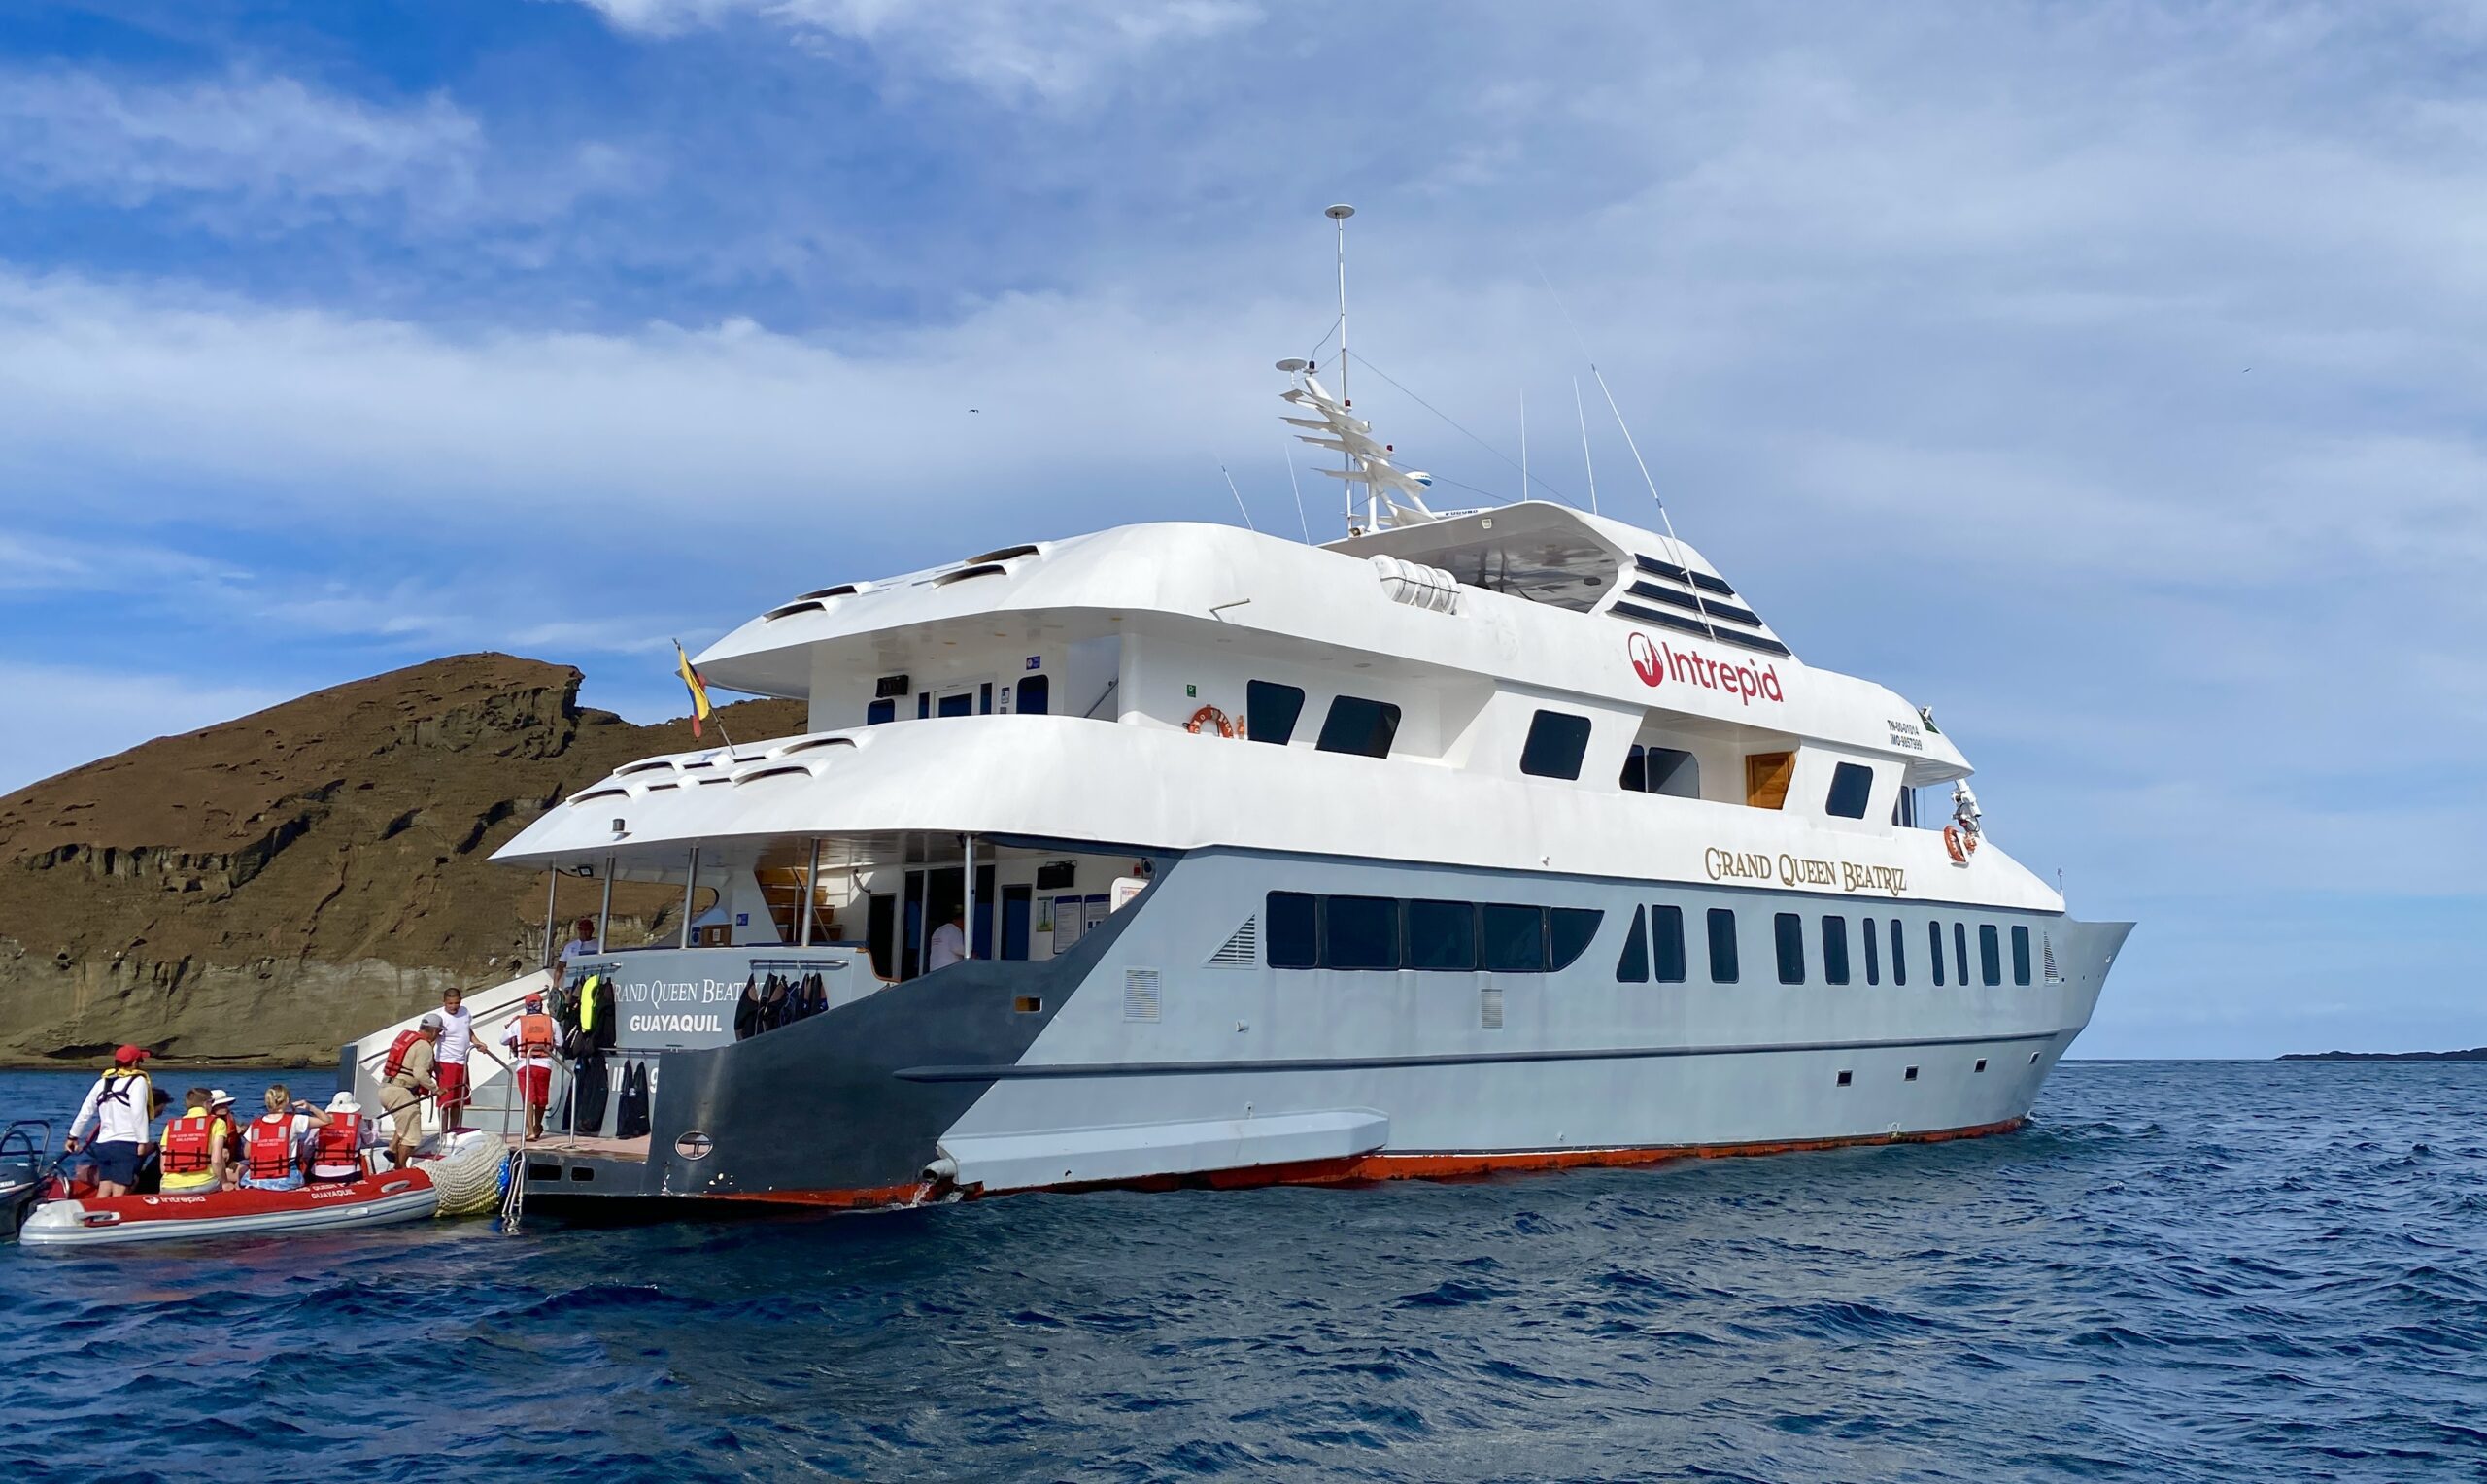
(583, 946)
(450, 1052)
(121, 1105)
(950, 942)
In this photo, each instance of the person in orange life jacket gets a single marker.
(193, 1148)
(272, 1144)
(337, 1145)
(121, 1107)
(406, 1079)
(529, 1036)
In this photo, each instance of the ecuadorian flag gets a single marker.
(698, 689)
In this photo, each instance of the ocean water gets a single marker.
(2179, 1271)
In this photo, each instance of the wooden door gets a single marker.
(1766, 776)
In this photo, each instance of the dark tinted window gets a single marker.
(1035, 696)
(1634, 966)
(1960, 951)
(1666, 944)
(1873, 954)
(1569, 933)
(1850, 785)
(880, 710)
(1899, 954)
(1270, 711)
(1513, 939)
(1934, 948)
(1990, 953)
(1834, 950)
(1789, 930)
(1442, 935)
(1671, 772)
(1636, 770)
(2019, 955)
(1360, 932)
(1722, 945)
(1289, 930)
(1355, 725)
(1556, 742)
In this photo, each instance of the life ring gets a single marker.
(1962, 843)
(1209, 715)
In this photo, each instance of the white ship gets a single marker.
(1513, 838)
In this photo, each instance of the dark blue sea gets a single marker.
(2179, 1271)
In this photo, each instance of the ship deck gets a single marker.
(628, 1151)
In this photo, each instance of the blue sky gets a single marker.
(2106, 376)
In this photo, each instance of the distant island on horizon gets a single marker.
(2473, 1054)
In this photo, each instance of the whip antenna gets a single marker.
(1583, 413)
(1339, 215)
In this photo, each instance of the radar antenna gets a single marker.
(1393, 496)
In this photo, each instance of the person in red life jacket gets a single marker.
(193, 1148)
(406, 1079)
(121, 1107)
(529, 1036)
(337, 1145)
(450, 1053)
(272, 1143)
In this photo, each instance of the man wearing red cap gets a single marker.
(529, 1037)
(121, 1105)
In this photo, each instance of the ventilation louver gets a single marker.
(1244, 949)
(1489, 1007)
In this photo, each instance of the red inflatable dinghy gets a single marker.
(92, 1220)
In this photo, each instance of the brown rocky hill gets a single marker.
(270, 888)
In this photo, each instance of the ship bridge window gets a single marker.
(1788, 929)
(1989, 955)
(1722, 945)
(1873, 954)
(1960, 951)
(1269, 710)
(1360, 932)
(1556, 742)
(1442, 936)
(2019, 955)
(1034, 695)
(1668, 770)
(1851, 784)
(1355, 725)
(1513, 939)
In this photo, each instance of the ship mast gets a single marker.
(1339, 215)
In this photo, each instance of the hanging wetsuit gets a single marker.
(593, 1086)
(747, 1010)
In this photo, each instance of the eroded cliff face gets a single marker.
(265, 889)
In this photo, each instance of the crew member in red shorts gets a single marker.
(529, 1037)
(450, 1052)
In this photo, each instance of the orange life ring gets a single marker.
(1210, 716)
(1962, 843)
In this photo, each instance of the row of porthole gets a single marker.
(1848, 1078)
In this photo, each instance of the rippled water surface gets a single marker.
(2178, 1272)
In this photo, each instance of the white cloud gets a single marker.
(62, 716)
(271, 140)
(1010, 49)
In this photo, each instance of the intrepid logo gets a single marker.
(1656, 663)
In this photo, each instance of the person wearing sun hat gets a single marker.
(121, 1107)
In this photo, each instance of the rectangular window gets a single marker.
(1834, 950)
(1722, 945)
(1557, 740)
(1766, 776)
(1569, 933)
(1899, 954)
(961, 705)
(1358, 726)
(1990, 953)
(1360, 932)
(1442, 935)
(1670, 771)
(880, 710)
(1873, 954)
(1666, 944)
(2019, 955)
(1789, 930)
(1851, 784)
(1634, 966)
(1934, 948)
(1636, 770)
(1270, 711)
(1035, 696)
(1513, 939)
(1960, 951)
(1288, 921)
